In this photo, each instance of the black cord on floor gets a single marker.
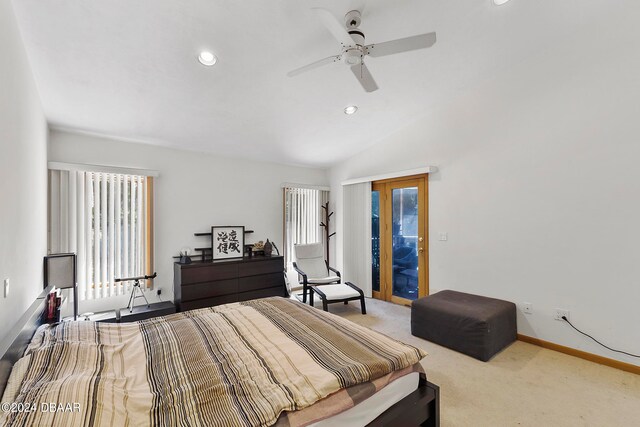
(605, 346)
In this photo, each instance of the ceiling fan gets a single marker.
(354, 50)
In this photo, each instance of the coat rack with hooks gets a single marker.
(325, 225)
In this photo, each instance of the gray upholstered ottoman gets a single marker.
(471, 324)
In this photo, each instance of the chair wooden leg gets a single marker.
(362, 306)
(346, 302)
(311, 297)
(304, 294)
(325, 306)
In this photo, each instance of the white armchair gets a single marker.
(312, 267)
(317, 276)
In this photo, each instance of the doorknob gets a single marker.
(420, 250)
(420, 239)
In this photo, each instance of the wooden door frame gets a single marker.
(385, 187)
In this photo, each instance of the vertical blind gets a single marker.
(101, 217)
(357, 235)
(302, 218)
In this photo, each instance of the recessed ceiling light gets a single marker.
(207, 58)
(499, 2)
(351, 109)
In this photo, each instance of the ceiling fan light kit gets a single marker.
(352, 41)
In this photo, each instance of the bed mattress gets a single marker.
(252, 363)
(369, 409)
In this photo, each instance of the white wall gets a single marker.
(539, 186)
(23, 179)
(194, 192)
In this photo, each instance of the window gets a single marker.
(302, 218)
(106, 219)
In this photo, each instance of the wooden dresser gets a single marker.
(209, 283)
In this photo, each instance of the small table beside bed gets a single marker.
(271, 361)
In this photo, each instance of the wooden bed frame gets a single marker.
(16, 341)
(420, 408)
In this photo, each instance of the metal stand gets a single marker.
(136, 285)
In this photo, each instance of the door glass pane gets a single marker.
(375, 240)
(405, 242)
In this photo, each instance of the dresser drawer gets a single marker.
(252, 283)
(208, 302)
(209, 273)
(261, 267)
(209, 289)
(261, 293)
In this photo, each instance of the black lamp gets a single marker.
(60, 271)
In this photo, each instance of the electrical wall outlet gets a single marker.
(443, 236)
(527, 308)
(6, 288)
(561, 312)
(159, 292)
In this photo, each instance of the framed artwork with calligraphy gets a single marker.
(227, 241)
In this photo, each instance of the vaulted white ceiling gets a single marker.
(128, 68)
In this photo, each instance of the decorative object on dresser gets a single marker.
(275, 248)
(227, 242)
(205, 253)
(268, 248)
(257, 249)
(184, 256)
(210, 283)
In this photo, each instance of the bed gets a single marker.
(263, 362)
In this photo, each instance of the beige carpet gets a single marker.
(524, 385)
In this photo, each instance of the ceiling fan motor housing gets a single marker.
(353, 55)
(357, 36)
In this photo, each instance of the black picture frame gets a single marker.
(227, 242)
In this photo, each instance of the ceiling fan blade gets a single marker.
(334, 26)
(401, 45)
(313, 65)
(364, 77)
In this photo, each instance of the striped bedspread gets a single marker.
(240, 364)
